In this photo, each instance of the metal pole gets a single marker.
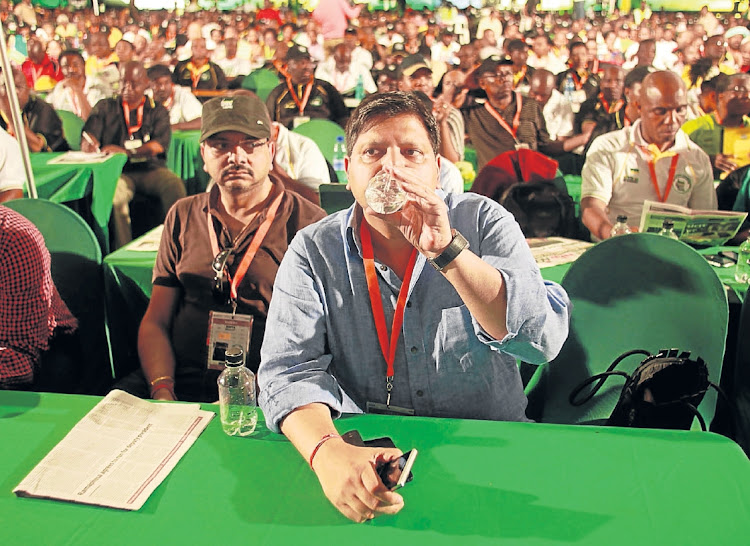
(15, 111)
(96, 7)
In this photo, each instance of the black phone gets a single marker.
(396, 474)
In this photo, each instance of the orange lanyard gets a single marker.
(606, 105)
(376, 302)
(655, 181)
(504, 124)
(195, 73)
(133, 129)
(301, 104)
(251, 251)
(168, 103)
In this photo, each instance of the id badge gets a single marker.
(224, 331)
(299, 120)
(133, 144)
(522, 146)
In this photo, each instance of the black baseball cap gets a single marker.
(242, 113)
(297, 53)
(411, 64)
(490, 64)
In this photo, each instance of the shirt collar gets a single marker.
(636, 138)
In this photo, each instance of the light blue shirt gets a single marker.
(321, 345)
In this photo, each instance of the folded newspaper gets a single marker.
(552, 251)
(698, 227)
(118, 454)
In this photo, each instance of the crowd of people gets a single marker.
(642, 105)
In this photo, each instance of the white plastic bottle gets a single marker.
(339, 152)
(742, 269)
(621, 226)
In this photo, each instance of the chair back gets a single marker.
(324, 133)
(335, 197)
(740, 390)
(638, 291)
(77, 273)
(261, 82)
(72, 128)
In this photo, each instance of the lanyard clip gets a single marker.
(234, 307)
(388, 389)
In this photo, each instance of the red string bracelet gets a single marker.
(322, 441)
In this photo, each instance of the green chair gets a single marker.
(324, 133)
(261, 82)
(77, 274)
(335, 197)
(72, 128)
(739, 391)
(639, 291)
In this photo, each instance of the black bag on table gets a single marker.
(541, 209)
(664, 391)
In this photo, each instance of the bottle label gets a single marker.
(224, 331)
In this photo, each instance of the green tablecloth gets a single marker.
(184, 159)
(475, 482)
(70, 182)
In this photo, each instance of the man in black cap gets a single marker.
(303, 97)
(518, 52)
(183, 107)
(218, 258)
(507, 120)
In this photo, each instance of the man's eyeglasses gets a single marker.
(220, 292)
(492, 78)
(249, 145)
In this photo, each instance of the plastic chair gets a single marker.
(261, 82)
(739, 392)
(72, 128)
(335, 197)
(324, 133)
(639, 291)
(77, 274)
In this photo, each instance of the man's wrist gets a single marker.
(457, 245)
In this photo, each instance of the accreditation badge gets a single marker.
(224, 331)
(299, 120)
(133, 144)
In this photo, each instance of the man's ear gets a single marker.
(346, 168)
(438, 159)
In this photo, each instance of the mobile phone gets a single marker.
(717, 260)
(353, 437)
(396, 474)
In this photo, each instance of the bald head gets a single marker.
(541, 85)
(663, 105)
(133, 82)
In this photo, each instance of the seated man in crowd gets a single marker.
(344, 74)
(653, 159)
(299, 157)
(244, 223)
(31, 310)
(42, 73)
(12, 175)
(199, 72)
(77, 92)
(102, 61)
(585, 82)
(507, 120)
(470, 301)
(606, 104)
(303, 97)
(42, 125)
(184, 109)
(518, 52)
(133, 124)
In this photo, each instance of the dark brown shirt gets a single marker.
(184, 262)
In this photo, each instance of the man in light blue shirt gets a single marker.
(455, 269)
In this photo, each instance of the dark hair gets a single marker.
(723, 83)
(647, 41)
(575, 44)
(378, 106)
(699, 69)
(71, 53)
(515, 45)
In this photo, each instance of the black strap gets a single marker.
(602, 377)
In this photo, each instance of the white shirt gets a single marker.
(301, 158)
(450, 177)
(184, 107)
(559, 116)
(361, 56)
(233, 67)
(617, 172)
(548, 62)
(95, 89)
(12, 175)
(315, 49)
(345, 82)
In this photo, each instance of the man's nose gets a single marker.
(392, 158)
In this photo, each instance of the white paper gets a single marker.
(118, 454)
(148, 242)
(552, 251)
(74, 158)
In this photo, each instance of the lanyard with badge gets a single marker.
(132, 143)
(387, 347)
(301, 103)
(653, 158)
(504, 124)
(228, 329)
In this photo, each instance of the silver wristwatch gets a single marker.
(458, 244)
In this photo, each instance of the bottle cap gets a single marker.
(339, 138)
(667, 224)
(234, 356)
(622, 218)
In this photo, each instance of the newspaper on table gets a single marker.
(118, 454)
(552, 251)
(148, 242)
(74, 158)
(698, 227)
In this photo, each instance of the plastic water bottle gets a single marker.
(742, 270)
(569, 89)
(239, 413)
(667, 230)
(621, 226)
(339, 152)
(359, 89)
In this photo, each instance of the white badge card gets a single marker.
(224, 331)
(133, 144)
(299, 120)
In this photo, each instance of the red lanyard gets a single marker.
(654, 180)
(376, 302)
(301, 104)
(504, 124)
(251, 250)
(577, 80)
(133, 129)
(609, 110)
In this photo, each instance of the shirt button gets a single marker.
(383, 268)
(414, 350)
(420, 393)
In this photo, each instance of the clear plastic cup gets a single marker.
(384, 194)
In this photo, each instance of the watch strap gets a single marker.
(456, 246)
